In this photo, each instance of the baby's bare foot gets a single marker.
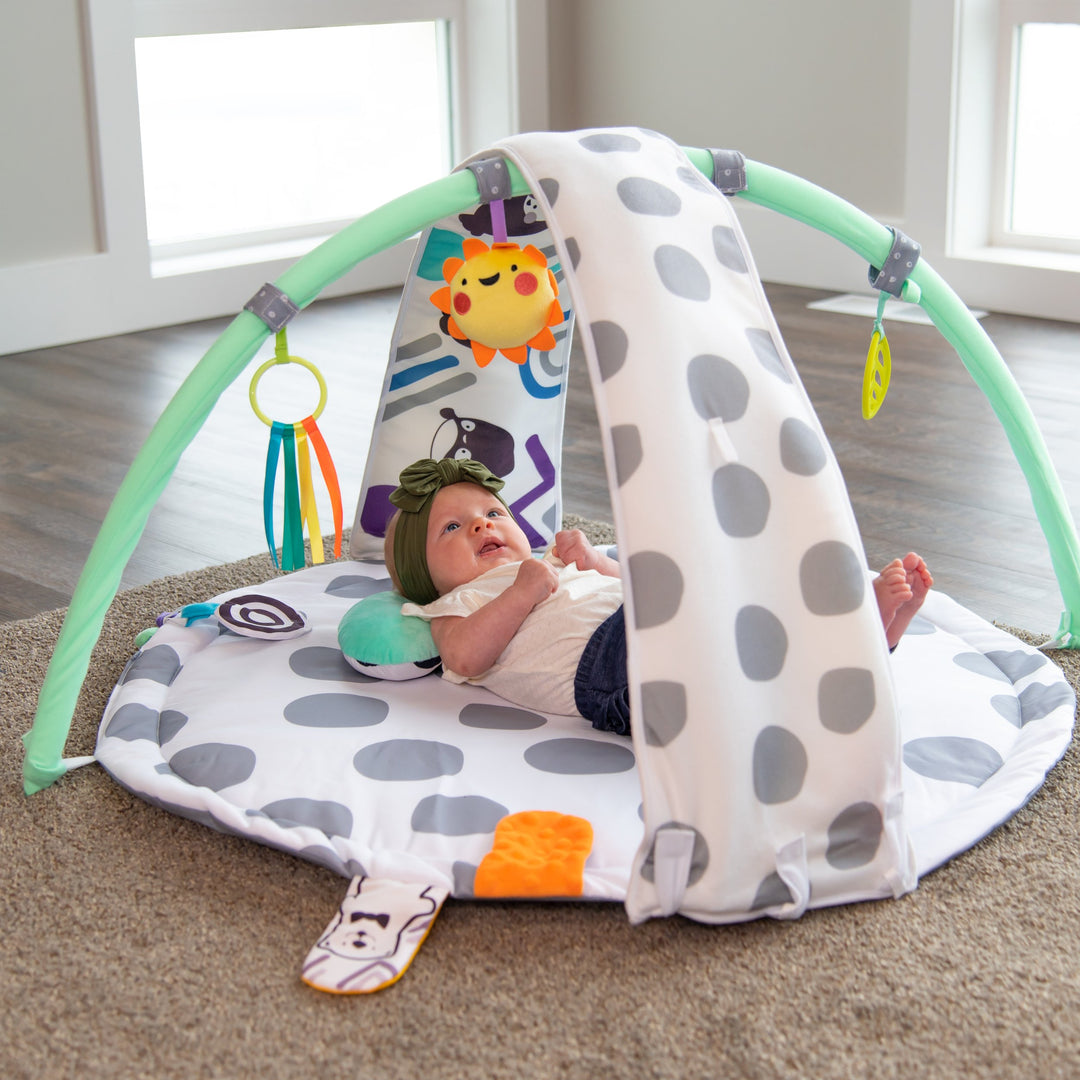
(901, 589)
(892, 591)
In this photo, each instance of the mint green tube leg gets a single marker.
(120, 532)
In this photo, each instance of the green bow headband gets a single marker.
(420, 483)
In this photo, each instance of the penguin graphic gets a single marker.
(473, 439)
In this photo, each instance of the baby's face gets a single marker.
(470, 532)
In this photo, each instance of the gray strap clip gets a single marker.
(903, 256)
(492, 178)
(729, 171)
(272, 306)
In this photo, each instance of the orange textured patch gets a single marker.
(536, 853)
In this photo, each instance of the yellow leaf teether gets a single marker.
(876, 374)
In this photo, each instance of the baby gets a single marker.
(547, 634)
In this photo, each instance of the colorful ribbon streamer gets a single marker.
(290, 443)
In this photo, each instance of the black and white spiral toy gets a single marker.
(259, 616)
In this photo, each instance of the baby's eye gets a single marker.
(452, 527)
(494, 513)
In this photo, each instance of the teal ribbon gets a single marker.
(272, 453)
(283, 441)
(292, 542)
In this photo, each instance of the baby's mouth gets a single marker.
(490, 547)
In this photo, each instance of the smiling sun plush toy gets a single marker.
(501, 299)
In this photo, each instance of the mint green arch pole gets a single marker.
(186, 413)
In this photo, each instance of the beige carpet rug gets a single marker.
(140, 944)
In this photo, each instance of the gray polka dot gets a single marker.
(728, 251)
(1039, 701)
(779, 765)
(981, 665)
(357, 586)
(951, 757)
(159, 663)
(328, 857)
(132, 722)
(579, 757)
(761, 642)
(610, 341)
(920, 625)
(663, 707)
(801, 451)
(718, 389)
(831, 579)
(772, 892)
(336, 711)
(573, 251)
(626, 441)
(550, 187)
(681, 274)
(408, 759)
(460, 815)
(464, 880)
(657, 587)
(325, 663)
(846, 699)
(1017, 663)
(328, 817)
(1008, 706)
(608, 142)
(741, 500)
(499, 717)
(214, 765)
(170, 723)
(689, 175)
(854, 836)
(699, 858)
(765, 349)
(643, 196)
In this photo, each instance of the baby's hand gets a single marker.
(574, 549)
(537, 580)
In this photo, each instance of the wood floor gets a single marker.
(933, 472)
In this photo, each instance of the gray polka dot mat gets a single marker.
(285, 744)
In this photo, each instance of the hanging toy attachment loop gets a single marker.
(281, 356)
(878, 368)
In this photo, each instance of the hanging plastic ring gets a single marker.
(273, 362)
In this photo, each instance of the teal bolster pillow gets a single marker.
(376, 639)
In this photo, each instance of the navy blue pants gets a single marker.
(601, 686)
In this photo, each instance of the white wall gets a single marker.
(47, 196)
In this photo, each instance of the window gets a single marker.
(1037, 126)
(285, 135)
